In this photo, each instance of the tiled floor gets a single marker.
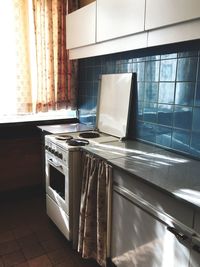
(29, 239)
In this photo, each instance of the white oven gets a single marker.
(63, 187)
(57, 180)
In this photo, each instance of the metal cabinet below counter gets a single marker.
(145, 234)
(141, 239)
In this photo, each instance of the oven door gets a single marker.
(57, 182)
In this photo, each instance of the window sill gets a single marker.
(40, 117)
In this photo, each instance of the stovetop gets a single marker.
(76, 139)
(69, 140)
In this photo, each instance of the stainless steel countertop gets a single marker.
(119, 149)
(169, 171)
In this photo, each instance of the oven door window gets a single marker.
(57, 181)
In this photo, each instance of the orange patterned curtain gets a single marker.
(50, 44)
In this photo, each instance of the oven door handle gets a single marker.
(55, 165)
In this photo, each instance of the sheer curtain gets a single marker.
(15, 79)
(33, 57)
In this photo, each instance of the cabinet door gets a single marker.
(81, 26)
(165, 12)
(138, 239)
(116, 18)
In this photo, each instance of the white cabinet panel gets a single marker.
(126, 43)
(165, 12)
(175, 33)
(81, 26)
(116, 18)
(139, 239)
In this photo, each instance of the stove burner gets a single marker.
(63, 137)
(89, 135)
(77, 142)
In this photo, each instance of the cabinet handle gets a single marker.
(178, 234)
(54, 164)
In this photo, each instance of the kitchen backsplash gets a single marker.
(166, 104)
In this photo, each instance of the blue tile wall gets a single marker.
(166, 105)
(165, 114)
(166, 92)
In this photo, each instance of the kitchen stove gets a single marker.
(63, 184)
(63, 157)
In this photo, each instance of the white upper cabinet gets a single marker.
(117, 18)
(81, 26)
(160, 13)
(112, 26)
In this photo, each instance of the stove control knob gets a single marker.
(56, 153)
(46, 147)
(53, 151)
(60, 155)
